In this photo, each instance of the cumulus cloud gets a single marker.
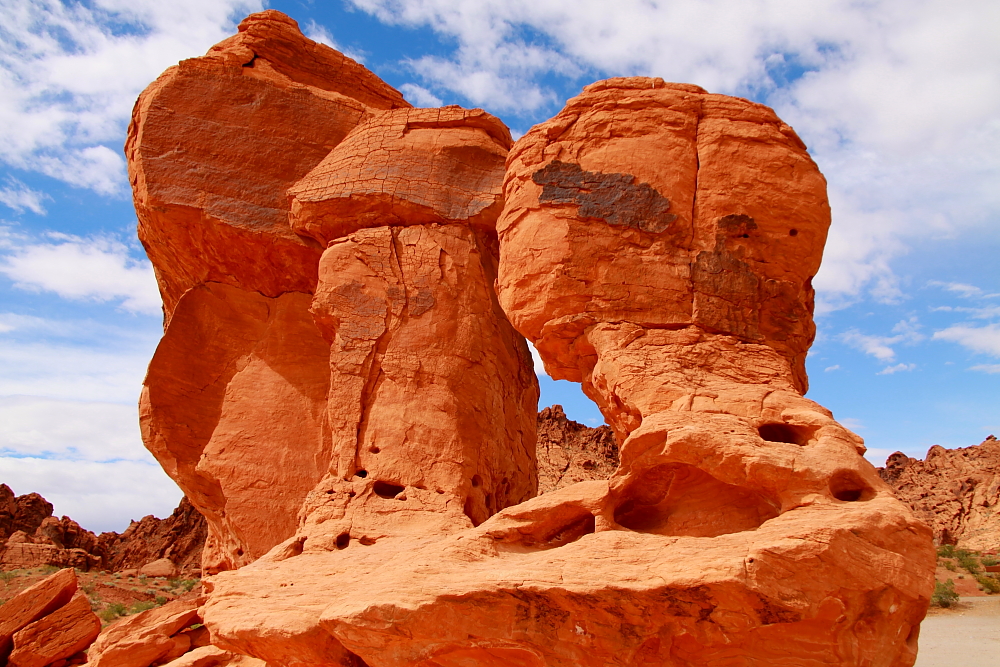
(420, 96)
(984, 339)
(20, 197)
(95, 268)
(899, 100)
(992, 369)
(71, 71)
(889, 370)
(880, 347)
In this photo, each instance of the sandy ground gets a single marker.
(967, 635)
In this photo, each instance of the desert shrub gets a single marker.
(190, 583)
(944, 594)
(48, 569)
(112, 611)
(967, 561)
(989, 560)
(946, 551)
(141, 606)
(950, 565)
(7, 577)
(142, 578)
(160, 600)
(989, 584)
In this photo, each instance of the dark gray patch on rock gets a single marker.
(614, 198)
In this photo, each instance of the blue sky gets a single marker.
(899, 101)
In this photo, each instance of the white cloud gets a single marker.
(907, 332)
(95, 268)
(20, 197)
(99, 496)
(537, 359)
(899, 100)
(80, 430)
(992, 369)
(828, 369)
(985, 339)
(961, 289)
(889, 370)
(70, 73)
(420, 96)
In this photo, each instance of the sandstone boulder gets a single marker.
(162, 567)
(34, 603)
(153, 636)
(62, 634)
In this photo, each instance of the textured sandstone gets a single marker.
(61, 634)
(152, 636)
(179, 537)
(569, 452)
(163, 567)
(954, 491)
(656, 243)
(213, 145)
(34, 603)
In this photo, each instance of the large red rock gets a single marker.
(954, 491)
(370, 404)
(61, 634)
(34, 603)
(152, 636)
(215, 142)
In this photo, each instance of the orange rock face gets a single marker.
(242, 371)
(339, 389)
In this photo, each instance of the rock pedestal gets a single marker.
(339, 389)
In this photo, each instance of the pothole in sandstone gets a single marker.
(680, 500)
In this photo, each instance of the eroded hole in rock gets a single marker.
(386, 489)
(374, 450)
(366, 541)
(477, 481)
(343, 540)
(585, 525)
(679, 499)
(361, 473)
(847, 486)
(790, 433)
(793, 232)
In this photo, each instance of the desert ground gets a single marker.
(967, 635)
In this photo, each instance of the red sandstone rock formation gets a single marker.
(954, 491)
(214, 144)
(569, 452)
(37, 538)
(180, 537)
(47, 623)
(337, 373)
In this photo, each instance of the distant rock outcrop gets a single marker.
(569, 452)
(954, 491)
(31, 537)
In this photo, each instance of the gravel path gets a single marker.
(969, 636)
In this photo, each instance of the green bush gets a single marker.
(160, 600)
(112, 611)
(7, 576)
(950, 565)
(968, 561)
(989, 584)
(944, 594)
(190, 583)
(141, 606)
(989, 560)
(946, 551)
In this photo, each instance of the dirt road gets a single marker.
(969, 636)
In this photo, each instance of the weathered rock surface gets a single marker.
(34, 603)
(37, 538)
(242, 371)
(954, 491)
(154, 636)
(47, 623)
(179, 537)
(365, 414)
(62, 634)
(569, 452)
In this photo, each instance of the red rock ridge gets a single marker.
(954, 491)
(569, 452)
